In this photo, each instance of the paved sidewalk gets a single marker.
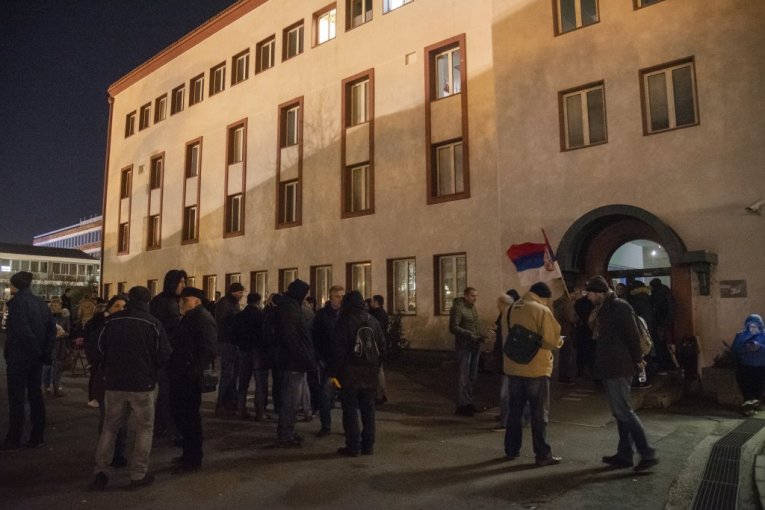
(425, 458)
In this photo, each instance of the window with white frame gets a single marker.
(130, 124)
(669, 97)
(573, 14)
(320, 284)
(448, 77)
(234, 213)
(583, 116)
(359, 12)
(358, 189)
(452, 279)
(160, 108)
(177, 99)
(153, 286)
(293, 41)
(358, 102)
(191, 281)
(236, 145)
(209, 286)
(288, 209)
(287, 276)
(390, 5)
(240, 67)
(449, 178)
(192, 160)
(259, 283)
(154, 235)
(190, 230)
(265, 52)
(123, 238)
(155, 173)
(126, 183)
(144, 118)
(196, 90)
(291, 125)
(403, 286)
(217, 78)
(360, 278)
(325, 23)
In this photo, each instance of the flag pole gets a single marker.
(554, 259)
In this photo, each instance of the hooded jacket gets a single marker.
(194, 347)
(464, 324)
(164, 306)
(754, 358)
(294, 350)
(531, 313)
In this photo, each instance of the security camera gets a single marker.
(756, 208)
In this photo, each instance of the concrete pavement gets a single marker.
(425, 457)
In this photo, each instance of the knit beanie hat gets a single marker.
(21, 280)
(597, 284)
(541, 289)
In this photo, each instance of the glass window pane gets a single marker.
(567, 15)
(596, 115)
(442, 75)
(682, 85)
(447, 283)
(574, 122)
(458, 175)
(589, 12)
(456, 80)
(657, 101)
(445, 185)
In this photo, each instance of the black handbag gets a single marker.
(521, 344)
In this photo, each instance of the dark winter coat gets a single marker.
(617, 339)
(464, 324)
(164, 306)
(323, 324)
(92, 332)
(31, 330)
(294, 348)
(351, 373)
(225, 310)
(132, 346)
(195, 344)
(640, 300)
(248, 328)
(663, 306)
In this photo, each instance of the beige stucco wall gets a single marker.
(403, 224)
(697, 180)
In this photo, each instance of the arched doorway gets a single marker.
(589, 245)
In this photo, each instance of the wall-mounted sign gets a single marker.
(732, 288)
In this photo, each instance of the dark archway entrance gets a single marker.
(591, 241)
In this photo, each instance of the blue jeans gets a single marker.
(467, 373)
(629, 425)
(229, 368)
(291, 384)
(355, 402)
(535, 391)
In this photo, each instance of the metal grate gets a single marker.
(718, 489)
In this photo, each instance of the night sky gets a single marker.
(57, 59)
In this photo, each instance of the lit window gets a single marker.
(360, 278)
(259, 283)
(217, 79)
(449, 177)
(129, 124)
(265, 54)
(669, 97)
(321, 281)
(359, 12)
(196, 90)
(287, 276)
(153, 286)
(390, 5)
(573, 14)
(584, 117)
(240, 65)
(452, 280)
(448, 78)
(326, 25)
(404, 286)
(209, 286)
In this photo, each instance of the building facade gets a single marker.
(400, 147)
(53, 269)
(85, 236)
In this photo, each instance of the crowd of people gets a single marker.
(153, 358)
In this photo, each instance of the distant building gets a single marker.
(54, 269)
(85, 236)
(399, 147)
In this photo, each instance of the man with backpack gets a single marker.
(358, 345)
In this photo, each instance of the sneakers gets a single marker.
(143, 482)
(645, 464)
(347, 452)
(548, 461)
(58, 392)
(322, 432)
(749, 408)
(464, 411)
(99, 482)
(93, 403)
(617, 461)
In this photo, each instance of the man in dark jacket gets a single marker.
(248, 335)
(194, 347)
(295, 356)
(358, 378)
(323, 324)
(226, 309)
(31, 332)
(466, 328)
(617, 359)
(165, 307)
(664, 316)
(131, 348)
(377, 310)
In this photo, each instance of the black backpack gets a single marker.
(365, 350)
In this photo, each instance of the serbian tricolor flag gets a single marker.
(535, 262)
